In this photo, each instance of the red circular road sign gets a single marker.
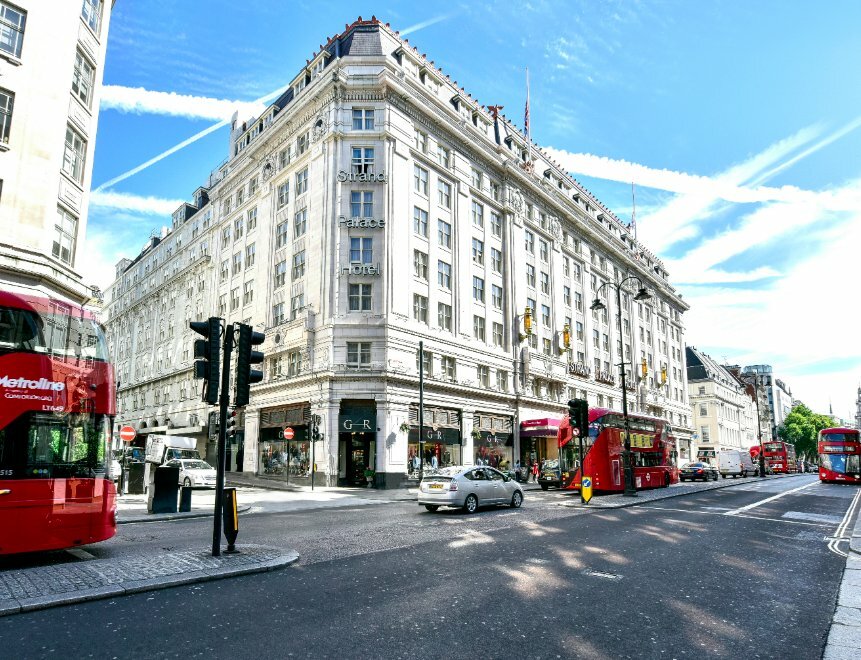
(575, 431)
(288, 433)
(127, 434)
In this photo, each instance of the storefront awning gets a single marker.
(539, 428)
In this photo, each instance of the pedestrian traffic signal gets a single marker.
(230, 424)
(315, 427)
(245, 357)
(578, 416)
(208, 354)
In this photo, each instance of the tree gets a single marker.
(801, 428)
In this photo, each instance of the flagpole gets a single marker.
(526, 125)
(634, 212)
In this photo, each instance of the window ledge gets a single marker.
(4, 147)
(11, 59)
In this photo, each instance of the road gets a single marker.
(738, 572)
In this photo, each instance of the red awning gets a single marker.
(539, 428)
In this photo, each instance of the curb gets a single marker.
(16, 606)
(162, 517)
(844, 634)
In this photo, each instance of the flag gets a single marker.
(526, 112)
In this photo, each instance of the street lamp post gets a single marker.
(642, 294)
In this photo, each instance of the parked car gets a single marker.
(550, 474)
(194, 472)
(694, 471)
(735, 463)
(468, 487)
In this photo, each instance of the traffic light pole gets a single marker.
(222, 439)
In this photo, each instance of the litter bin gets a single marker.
(134, 474)
(185, 499)
(165, 485)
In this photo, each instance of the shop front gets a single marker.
(440, 442)
(493, 441)
(357, 444)
(538, 440)
(285, 456)
(707, 455)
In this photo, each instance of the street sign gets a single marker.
(288, 433)
(575, 431)
(586, 489)
(127, 434)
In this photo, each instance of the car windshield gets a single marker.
(196, 465)
(694, 465)
(551, 464)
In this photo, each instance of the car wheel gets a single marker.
(724, 476)
(432, 507)
(716, 477)
(470, 505)
(187, 482)
(544, 486)
(517, 499)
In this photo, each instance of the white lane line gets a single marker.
(717, 513)
(748, 507)
(841, 528)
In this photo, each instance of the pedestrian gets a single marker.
(535, 471)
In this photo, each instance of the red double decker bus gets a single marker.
(57, 401)
(839, 455)
(653, 449)
(779, 456)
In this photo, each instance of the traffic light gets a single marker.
(230, 424)
(315, 427)
(578, 415)
(208, 352)
(245, 357)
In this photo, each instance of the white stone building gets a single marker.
(779, 394)
(376, 205)
(52, 58)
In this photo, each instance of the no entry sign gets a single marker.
(288, 433)
(127, 434)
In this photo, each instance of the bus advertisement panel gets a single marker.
(652, 447)
(58, 401)
(839, 455)
(780, 456)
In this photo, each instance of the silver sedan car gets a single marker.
(468, 487)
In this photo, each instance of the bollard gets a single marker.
(231, 519)
(185, 499)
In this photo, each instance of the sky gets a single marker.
(738, 123)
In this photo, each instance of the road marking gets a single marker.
(748, 507)
(841, 528)
(741, 515)
(600, 574)
(816, 517)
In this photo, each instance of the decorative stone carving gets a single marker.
(268, 168)
(321, 126)
(555, 227)
(516, 201)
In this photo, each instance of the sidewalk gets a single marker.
(41, 587)
(844, 638)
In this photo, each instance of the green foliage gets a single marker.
(800, 429)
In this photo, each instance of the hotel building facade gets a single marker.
(376, 206)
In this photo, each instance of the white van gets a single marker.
(735, 463)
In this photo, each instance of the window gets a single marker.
(606, 343)
(566, 267)
(300, 223)
(443, 274)
(703, 410)
(361, 204)
(12, 22)
(238, 228)
(358, 355)
(444, 193)
(222, 304)
(547, 347)
(65, 230)
(482, 373)
(543, 249)
(596, 339)
(301, 147)
(237, 263)
(566, 295)
(530, 242)
(545, 315)
(477, 214)
(545, 283)
(280, 235)
(530, 275)
(299, 265)
(285, 156)
(478, 251)
(449, 367)
(91, 12)
(578, 301)
(478, 325)
(496, 296)
(444, 316)
(361, 250)
(82, 79)
(73, 157)
(248, 292)
(280, 273)
(363, 160)
(495, 190)
(495, 224)
(363, 119)
(297, 304)
(420, 221)
(420, 180)
(283, 194)
(234, 299)
(422, 141)
(498, 337)
(477, 179)
(7, 99)
(426, 358)
(252, 219)
(580, 330)
(225, 269)
(359, 298)
(420, 308)
(478, 289)
(420, 264)
(444, 233)
(249, 256)
(530, 303)
(302, 182)
(252, 186)
(444, 156)
(501, 380)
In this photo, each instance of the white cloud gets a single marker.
(144, 101)
(129, 202)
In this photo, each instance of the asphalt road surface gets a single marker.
(742, 572)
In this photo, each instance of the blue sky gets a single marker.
(739, 122)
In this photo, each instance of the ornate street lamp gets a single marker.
(642, 294)
(527, 324)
